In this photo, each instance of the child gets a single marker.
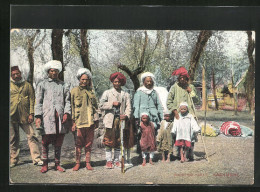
(147, 141)
(165, 137)
(184, 128)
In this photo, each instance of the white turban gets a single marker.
(53, 64)
(167, 112)
(144, 113)
(82, 71)
(184, 104)
(147, 74)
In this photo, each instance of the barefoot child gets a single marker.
(164, 137)
(147, 141)
(184, 128)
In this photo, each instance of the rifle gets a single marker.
(122, 123)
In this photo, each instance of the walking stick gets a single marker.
(193, 106)
(122, 146)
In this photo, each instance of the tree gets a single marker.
(30, 52)
(57, 49)
(84, 49)
(197, 51)
(133, 74)
(250, 76)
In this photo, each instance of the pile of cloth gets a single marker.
(210, 130)
(231, 128)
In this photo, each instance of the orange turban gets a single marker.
(119, 76)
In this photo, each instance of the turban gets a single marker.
(85, 71)
(53, 64)
(184, 104)
(118, 76)
(167, 112)
(147, 74)
(14, 68)
(181, 71)
(144, 113)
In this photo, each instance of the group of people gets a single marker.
(58, 110)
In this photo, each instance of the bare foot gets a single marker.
(150, 161)
(144, 162)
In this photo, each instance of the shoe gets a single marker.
(44, 168)
(109, 165)
(117, 164)
(39, 163)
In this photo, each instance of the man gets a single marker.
(52, 112)
(84, 115)
(116, 104)
(22, 114)
(182, 91)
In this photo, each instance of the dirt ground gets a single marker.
(230, 161)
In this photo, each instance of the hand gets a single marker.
(116, 103)
(30, 118)
(176, 114)
(38, 122)
(123, 117)
(65, 118)
(96, 123)
(73, 127)
(188, 89)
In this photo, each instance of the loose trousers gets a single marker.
(15, 142)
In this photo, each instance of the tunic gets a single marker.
(147, 141)
(165, 137)
(177, 95)
(148, 103)
(83, 107)
(52, 95)
(21, 101)
(185, 127)
(111, 118)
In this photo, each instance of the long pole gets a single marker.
(204, 127)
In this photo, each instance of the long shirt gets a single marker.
(52, 96)
(185, 127)
(149, 103)
(177, 95)
(83, 106)
(21, 101)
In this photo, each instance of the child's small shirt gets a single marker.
(184, 127)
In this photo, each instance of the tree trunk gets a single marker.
(199, 47)
(30, 52)
(250, 76)
(214, 90)
(204, 89)
(84, 51)
(57, 48)
(141, 66)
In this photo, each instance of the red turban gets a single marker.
(14, 68)
(119, 76)
(181, 71)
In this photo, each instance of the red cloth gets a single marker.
(183, 143)
(147, 141)
(119, 76)
(181, 71)
(85, 137)
(231, 128)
